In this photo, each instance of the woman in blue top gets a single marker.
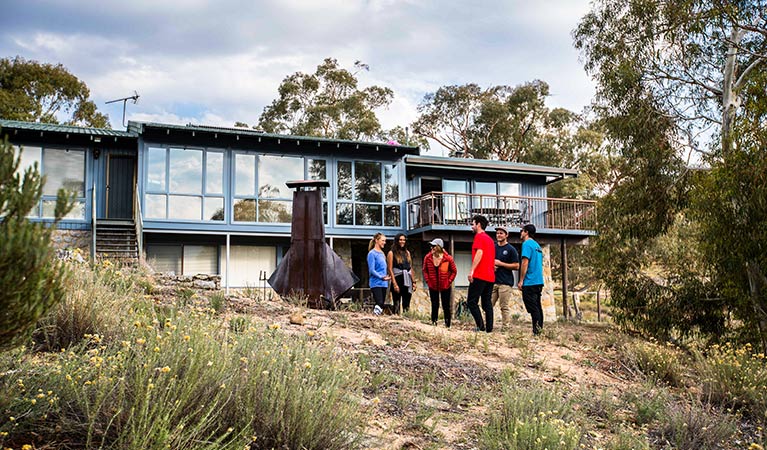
(379, 278)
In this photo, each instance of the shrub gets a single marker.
(648, 404)
(217, 301)
(656, 362)
(531, 418)
(695, 427)
(31, 277)
(735, 378)
(185, 384)
(97, 302)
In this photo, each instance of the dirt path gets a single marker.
(432, 385)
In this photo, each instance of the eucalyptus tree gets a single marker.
(499, 122)
(697, 66)
(328, 103)
(41, 92)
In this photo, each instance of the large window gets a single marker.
(63, 169)
(260, 193)
(185, 184)
(368, 194)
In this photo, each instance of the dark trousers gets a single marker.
(484, 290)
(379, 295)
(446, 306)
(403, 295)
(531, 295)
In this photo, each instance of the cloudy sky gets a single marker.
(217, 62)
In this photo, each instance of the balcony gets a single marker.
(453, 209)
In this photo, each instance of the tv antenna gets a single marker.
(133, 97)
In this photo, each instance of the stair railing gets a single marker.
(93, 220)
(138, 221)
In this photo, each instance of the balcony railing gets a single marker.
(452, 208)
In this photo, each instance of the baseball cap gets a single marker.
(438, 241)
(502, 228)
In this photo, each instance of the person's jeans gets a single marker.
(404, 294)
(531, 295)
(434, 296)
(502, 292)
(484, 290)
(379, 295)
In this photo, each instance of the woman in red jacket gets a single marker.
(439, 271)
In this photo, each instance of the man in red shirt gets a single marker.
(481, 275)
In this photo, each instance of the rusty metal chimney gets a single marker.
(311, 268)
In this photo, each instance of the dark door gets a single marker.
(120, 187)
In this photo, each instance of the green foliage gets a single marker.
(182, 382)
(660, 364)
(501, 122)
(735, 378)
(327, 103)
(668, 73)
(530, 418)
(31, 278)
(695, 427)
(38, 92)
(93, 304)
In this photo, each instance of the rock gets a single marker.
(297, 318)
(202, 284)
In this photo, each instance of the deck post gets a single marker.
(563, 247)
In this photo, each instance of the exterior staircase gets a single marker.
(116, 241)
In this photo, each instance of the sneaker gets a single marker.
(377, 310)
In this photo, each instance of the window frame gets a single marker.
(382, 203)
(167, 192)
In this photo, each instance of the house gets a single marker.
(199, 199)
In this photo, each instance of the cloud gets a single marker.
(219, 62)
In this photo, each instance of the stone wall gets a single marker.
(200, 281)
(72, 239)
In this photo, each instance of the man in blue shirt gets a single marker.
(506, 260)
(531, 276)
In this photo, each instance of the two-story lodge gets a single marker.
(200, 199)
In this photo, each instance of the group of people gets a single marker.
(491, 277)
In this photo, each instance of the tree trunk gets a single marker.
(757, 283)
(730, 98)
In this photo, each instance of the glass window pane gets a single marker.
(245, 175)
(274, 171)
(214, 173)
(344, 214)
(509, 189)
(155, 178)
(367, 214)
(245, 210)
(164, 258)
(155, 206)
(49, 210)
(200, 259)
(454, 186)
(391, 216)
(275, 211)
(317, 170)
(485, 187)
(345, 180)
(64, 169)
(186, 171)
(29, 156)
(214, 208)
(391, 180)
(184, 207)
(367, 181)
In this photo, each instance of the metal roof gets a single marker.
(58, 128)
(138, 127)
(486, 165)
